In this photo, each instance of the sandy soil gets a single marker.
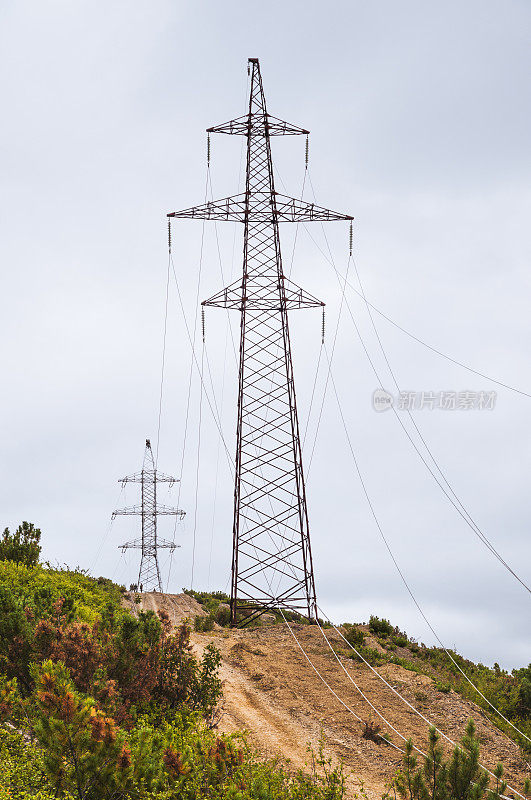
(177, 606)
(272, 692)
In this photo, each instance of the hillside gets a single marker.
(109, 694)
(270, 689)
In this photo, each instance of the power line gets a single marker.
(395, 691)
(412, 335)
(192, 342)
(364, 696)
(197, 471)
(457, 504)
(163, 345)
(105, 534)
(450, 494)
(439, 352)
(466, 515)
(399, 570)
(196, 363)
(334, 340)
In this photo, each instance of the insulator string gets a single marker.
(169, 235)
(323, 327)
(203, 321)
(306, 151)
(208, 149)
(350, 238)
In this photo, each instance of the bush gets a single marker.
(381, 627)
(204, 624)
(39, 589)
(126, 663)
(223, 616)
(354, 635)
(23, 772)
(371, 730)
(403, 662)
(442, 686)
(86, 755)
(23, 546)
(370, 655)
(460, 776)
(400, 640)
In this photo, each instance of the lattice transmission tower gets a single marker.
(149, 510)
(271, 559)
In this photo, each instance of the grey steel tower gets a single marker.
(149, 510)
(271, 557)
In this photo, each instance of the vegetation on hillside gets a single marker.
(23, 546)
(216, 604)
(459, 777)
(510, 692)
(97, 704)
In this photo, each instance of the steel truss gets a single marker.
(149, 544)
(271, 558)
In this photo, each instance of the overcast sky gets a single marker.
(419, 113)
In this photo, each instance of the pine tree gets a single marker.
(86, 753)
(459, 778)
(23, 546)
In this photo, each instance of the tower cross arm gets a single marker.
(136, 544)
(127, 511)
(259, 125)
(135, 478)
(149, 474)
(130, 510)
(171, 511)
(163, 478)
(291, 209)
(229, 208)
(275, 208)
(294, 297)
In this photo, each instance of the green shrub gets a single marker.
(353, 635)
(23, 773)
(400, 640)
(23, 546)
(460, 776)
(204, 624)
(372, 656)
(442, 686)
(223, 616)
(83, 753)
(38, 589)
(382, 627)
(405, 663)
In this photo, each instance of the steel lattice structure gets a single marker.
(149, 544)
(272, 561)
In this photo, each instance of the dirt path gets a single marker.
(271, 691)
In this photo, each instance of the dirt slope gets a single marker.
(177, 606)
(271, 691)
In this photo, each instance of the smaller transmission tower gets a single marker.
(148, 478)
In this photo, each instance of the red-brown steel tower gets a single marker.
(271, 557)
